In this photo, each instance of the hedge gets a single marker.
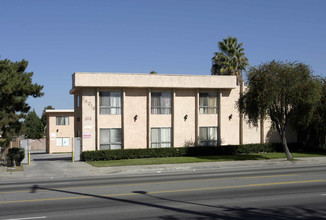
(192, 151)
(184, 151)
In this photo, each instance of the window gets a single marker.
(161, 102)
(110, 138)
(208, 136)
(161, 137)
(110, 103)
(62, 141)
(78, 101)
(62, 120)
(208, 103)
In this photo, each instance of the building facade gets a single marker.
(59, 131)
(124, 111)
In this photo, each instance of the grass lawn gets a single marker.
(174, 160)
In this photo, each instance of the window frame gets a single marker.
(161, 109)
(109, 107)
(110, 143)
(205, 109)
(64, 121)
(62, 142)
(160, 142)
(207, 141)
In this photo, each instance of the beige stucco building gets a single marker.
(117, 110)
(59, 131)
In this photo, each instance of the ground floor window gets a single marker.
(161, 137)
(110, 138)
(62, 141)
(208, 136)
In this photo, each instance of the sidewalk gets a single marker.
(212, 165)
(50, 167)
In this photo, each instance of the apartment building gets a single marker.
(124, 111)
(59, 131)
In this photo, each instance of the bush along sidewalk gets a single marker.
(186, 151)
(15, 156)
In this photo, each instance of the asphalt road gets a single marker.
(265, 193)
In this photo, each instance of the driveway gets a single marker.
(56, 166)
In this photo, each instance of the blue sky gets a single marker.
(59, 38)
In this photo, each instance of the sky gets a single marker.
(60, 37)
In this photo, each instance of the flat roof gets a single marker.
(59, 111)
(137, 80)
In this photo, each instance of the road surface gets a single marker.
(261, 193)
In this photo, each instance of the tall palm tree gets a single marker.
(231, 60)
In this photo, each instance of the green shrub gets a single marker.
(15, 156)
(181, 151)
(189, 151)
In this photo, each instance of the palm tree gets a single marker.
(231, 60)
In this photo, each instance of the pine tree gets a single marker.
(43, 118)
(15, 87)
(33, 127)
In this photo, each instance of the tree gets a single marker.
(320, 115)
(33, 127)
(314, 134)
(231, 60)
(281, 91)
(153, 72)
(43, 118)
(15, 87)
